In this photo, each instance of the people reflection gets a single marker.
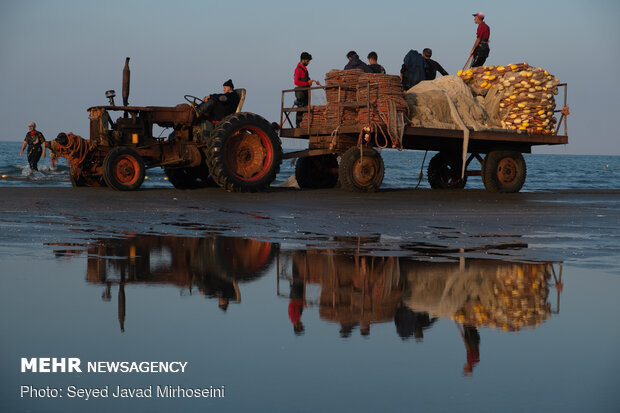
(214, 286)
(410, 323)
(471, 338)
(297, 302)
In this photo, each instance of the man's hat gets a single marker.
(229, 83)
(480, 15)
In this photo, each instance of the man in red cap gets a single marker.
(480, 51)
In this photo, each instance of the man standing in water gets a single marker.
(36, 146)
(480, 51)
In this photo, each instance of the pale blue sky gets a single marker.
(57, 58)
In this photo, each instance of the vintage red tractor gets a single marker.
(240, 153)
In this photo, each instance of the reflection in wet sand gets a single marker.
(481, 293)
(213, 265)
(355, 290)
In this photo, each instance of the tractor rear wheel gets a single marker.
(361, 171)
(123, 169)
(244, 153)
(316, 172)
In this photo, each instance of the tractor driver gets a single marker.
(219, 105)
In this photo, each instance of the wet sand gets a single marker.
(579, 226)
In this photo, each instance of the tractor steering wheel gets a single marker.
(193, 100)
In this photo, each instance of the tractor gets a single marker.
(240, 153)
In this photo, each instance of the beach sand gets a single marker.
(562, 225)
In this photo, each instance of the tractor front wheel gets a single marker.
(123, 169)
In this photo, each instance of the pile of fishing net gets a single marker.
(348, 104)
(447, 103)
(518, 96)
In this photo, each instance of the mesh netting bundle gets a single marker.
(519, 300)
(357, 87)
(522, 96)
(317, 117)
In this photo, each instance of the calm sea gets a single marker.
(544, 172)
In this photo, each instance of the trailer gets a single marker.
(348, 153)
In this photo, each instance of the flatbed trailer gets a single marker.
(361, 168)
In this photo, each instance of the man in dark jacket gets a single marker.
(431, 67)
(374, 66)
(412, 70)
(356, 63)
(219, 105)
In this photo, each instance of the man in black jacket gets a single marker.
(219, 105)
(372, 63)
(412, 70)
(431, 67)
(356, 63)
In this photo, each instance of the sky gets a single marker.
(58, 57)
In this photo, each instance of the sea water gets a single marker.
(402, 170)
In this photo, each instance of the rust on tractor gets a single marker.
(123, 144)
(126, 170)
(114, 126)
(246, 154)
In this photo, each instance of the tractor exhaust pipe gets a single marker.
(126, 74)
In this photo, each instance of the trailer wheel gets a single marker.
(316, 172)
(444, 171)
(244, 153)
(361, 173)
(190, 178)
(123, 169)
(503, 171)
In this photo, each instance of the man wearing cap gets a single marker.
(356, 63)
(219, 105)
(301, 79)
(480, 51)
(36, 146)
(431, 67)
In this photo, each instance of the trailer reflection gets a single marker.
(359, 291)
(350, 288)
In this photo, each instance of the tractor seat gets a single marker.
(241, 93)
